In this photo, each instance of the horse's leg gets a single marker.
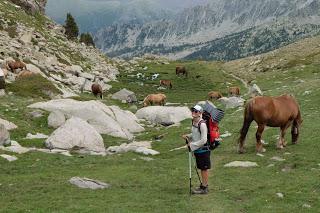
(282, 143)
(259, 147)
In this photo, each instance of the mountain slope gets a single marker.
(198, 31)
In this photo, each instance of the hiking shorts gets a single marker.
(203, 160)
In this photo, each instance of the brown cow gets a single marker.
(13, 65)
(155, 99)
(214, 95)
(166, 83)
(234, 91)
(25, 74)
(181, 70)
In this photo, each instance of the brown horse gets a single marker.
(282, 111)
(13, 65)
(214, 95)
(96, 88)
(166, 83)
(234, 91)
(181, 70)
(155, 99)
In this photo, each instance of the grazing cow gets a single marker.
(96, 88)
(166, 83)
(181, 70)
(282, 111)
(25, 74)
(214, 95)
(155, 99)
(234, 91)
(13, 65)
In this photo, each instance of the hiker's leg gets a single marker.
(205, 177)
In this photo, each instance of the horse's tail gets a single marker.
(295, 127)
(248, 118)
(170, 85)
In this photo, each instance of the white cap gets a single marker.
(197, 107)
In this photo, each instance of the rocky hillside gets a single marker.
(221, 30)
(41, 44)
(31, 6)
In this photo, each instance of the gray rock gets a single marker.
(9, 157)
(163, 114)
(76, 133)
(276, 158)
(56, 119)
(241, 164)
(4, 135)
(232, 102)
(125, 95)
(254, 90)
(36, 114)
(15, 147)
(7, 124)
(88, 183)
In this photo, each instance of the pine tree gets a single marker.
(72, 30)
(87, 39)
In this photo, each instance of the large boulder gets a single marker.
(125, 95)
(232, 102)
(106, 120)
(76, 133)
(163, 115)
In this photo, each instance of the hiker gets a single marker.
(197, 141)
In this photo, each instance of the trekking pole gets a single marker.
(189, 166)
(195, 166)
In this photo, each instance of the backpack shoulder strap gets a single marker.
(199, 124)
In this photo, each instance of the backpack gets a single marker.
(212, 126)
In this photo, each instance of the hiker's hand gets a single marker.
(185, 137)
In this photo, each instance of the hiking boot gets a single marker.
(201, 190)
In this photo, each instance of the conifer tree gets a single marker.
(72, 30)
(87, 39)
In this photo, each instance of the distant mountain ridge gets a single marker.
(220, 30)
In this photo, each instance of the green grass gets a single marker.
(32, 86)
(38, 182)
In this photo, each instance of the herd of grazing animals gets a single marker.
(181, 70)
(96, 88)
(250, 114)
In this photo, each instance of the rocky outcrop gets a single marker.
(46, 50)
(31, 6)
(109, 120)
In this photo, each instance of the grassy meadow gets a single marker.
(38, 182)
